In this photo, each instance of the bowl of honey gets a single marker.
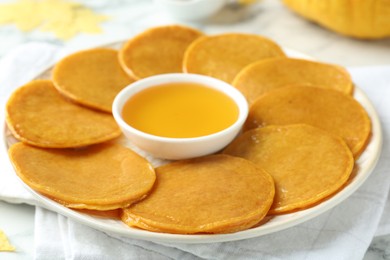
(180, 115)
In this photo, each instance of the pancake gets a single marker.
(265, 75)
(306, 163)
(223, 56)
(156, 51)
(330, 110)
(100, 177)
(212, 194)
(109, 214)
(92, 77)
(38, 115)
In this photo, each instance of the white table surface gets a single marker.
(269, 18)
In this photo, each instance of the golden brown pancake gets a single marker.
(212, 194)
(223, 56)
(92, 78)
(156, 51)
(38, 115)
(111, 214)
(100, 177)
(265, 75)
(306, 163)
(327, 109)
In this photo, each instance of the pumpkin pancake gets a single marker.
(111, 214)
(38, 115)
(157, 51)
(327, 109)
(307, 164)
(223, 56)
(92, 78)
(100, 177)
(212, 194)
(262, 76)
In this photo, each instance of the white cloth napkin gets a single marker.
(343, 232)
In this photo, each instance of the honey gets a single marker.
(180, 110)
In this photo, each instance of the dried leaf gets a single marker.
(63, 18)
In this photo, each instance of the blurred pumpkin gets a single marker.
(369, 19)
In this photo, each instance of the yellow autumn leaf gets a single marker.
(4, 244)
(63, 18)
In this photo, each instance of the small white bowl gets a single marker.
(190, 10)
(180, 148)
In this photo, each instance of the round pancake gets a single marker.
(92, 78)
(38, 115)
(307, 163)
(156, 51)
(327, 109)
(100, 177)
(265, 75)
(212, 194)
(223, 56)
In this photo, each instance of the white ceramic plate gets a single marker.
(366, 164)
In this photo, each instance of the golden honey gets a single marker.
(180, 110)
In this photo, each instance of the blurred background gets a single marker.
(86, 23)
